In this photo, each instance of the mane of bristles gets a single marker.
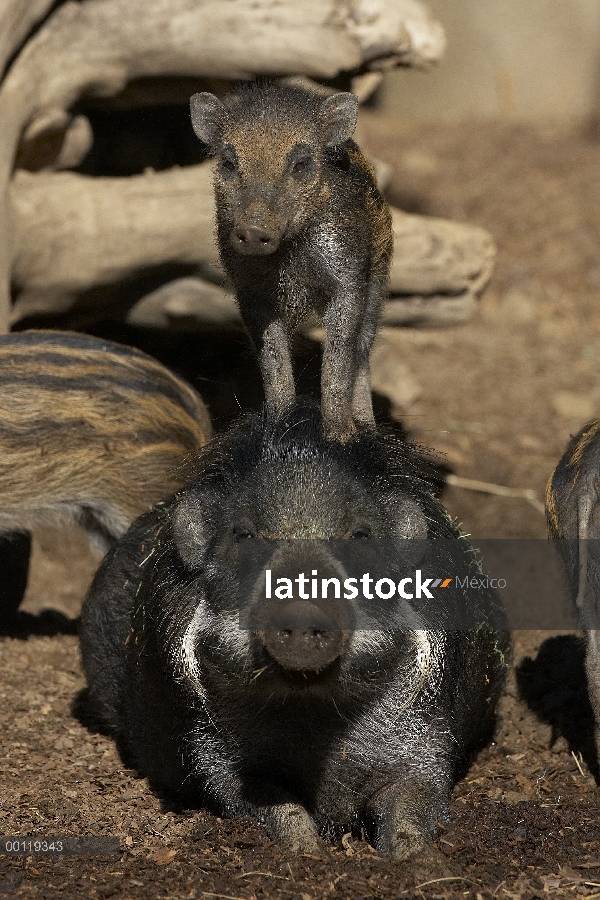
(385, 463)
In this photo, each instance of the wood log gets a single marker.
(95, 47)
(192, 304)
(17, 20)
(432, 254)
(186, 304)
(74, 232)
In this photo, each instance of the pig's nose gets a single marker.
(254, 240)
(302, 637)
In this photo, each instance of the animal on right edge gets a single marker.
(303, 232)
(573, 513)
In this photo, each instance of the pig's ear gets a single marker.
(191, 530)
(208, 119)
(411, 523)
(411, 531)
(338, 118)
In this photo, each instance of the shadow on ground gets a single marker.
(554, 686)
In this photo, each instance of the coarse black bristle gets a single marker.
(380, 459)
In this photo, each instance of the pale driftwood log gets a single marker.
(73, 232)
(95, 47)
(439, 268)
(17, 19)
(186, 304)
(189, 304)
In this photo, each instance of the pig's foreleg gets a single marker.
(284, 819)
(362, 402)
(404, 816)
(592, 669)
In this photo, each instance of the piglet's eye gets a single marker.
(303, 167)
(361, 532)
(228, 166)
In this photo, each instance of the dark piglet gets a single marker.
(91, 430)
(573, 514)
(303, 233)
(316, 716)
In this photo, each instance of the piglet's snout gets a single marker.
(254, 240)
(257, 226)
(301, 636)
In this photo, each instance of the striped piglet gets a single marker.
(89, 430)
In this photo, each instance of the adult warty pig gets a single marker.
(573, 514)
(303, 232)
(314, 716)
(90, 430)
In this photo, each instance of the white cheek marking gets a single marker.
(234, 638)
(231, 638)
(188, 659)
(428, 663)
(370, 638)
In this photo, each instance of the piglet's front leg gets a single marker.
(338, 372)
(592, 668)
(271, 339)
(362, 405)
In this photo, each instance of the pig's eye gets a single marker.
(303, 167)
(361, 532)
(244, 532)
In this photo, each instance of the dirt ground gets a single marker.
(499, 398)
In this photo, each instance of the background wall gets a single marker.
(512, 59)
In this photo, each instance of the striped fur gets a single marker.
(572, 497)
(573, 513)
(90, 429)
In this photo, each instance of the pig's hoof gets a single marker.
(404, 844)
(298, 844)
(294, 830)
(363, 418)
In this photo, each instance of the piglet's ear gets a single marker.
(338, 117)
(191, 531)
(208, 119)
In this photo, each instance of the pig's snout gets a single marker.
(254, 240)
(301, 636)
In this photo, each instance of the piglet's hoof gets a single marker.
(340, 432)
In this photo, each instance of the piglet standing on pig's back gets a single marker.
(316, 715)
(303, 232)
